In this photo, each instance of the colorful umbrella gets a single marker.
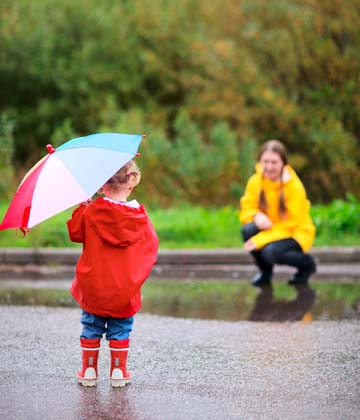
(72, 173)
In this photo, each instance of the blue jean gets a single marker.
(95, 326)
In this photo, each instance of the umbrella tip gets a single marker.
(50, 148)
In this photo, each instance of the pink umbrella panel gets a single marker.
(67, 176)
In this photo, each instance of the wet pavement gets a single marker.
(182, 369)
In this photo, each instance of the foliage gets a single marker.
(197, 227)
(6, 155)
(200, 227)
(336, 219)
(208, 82)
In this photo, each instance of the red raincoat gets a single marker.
(119, 250)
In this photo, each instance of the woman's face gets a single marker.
(272, 165)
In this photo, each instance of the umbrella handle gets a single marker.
(24, 232)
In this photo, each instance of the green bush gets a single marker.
(337, 220)
(208, 84)
(6, 155)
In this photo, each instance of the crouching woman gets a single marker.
(275, 217)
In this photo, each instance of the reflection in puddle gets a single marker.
(267, 308)
(222, 300)
(234, 301)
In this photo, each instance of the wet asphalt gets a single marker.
(182, 369)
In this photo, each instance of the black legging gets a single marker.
(283, 252)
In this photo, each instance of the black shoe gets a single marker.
(262, 278)
(300, 278)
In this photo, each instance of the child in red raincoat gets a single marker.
(119, 250)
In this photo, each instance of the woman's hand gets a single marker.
(249, 245)
(262, 221)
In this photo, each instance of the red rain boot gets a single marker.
(90, 352)
(119, 376)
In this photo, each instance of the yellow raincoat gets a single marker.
(297, 223)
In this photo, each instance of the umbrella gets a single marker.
(67, 176)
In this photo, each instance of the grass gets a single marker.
(186, 227)
(198, 227)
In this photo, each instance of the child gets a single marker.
(119, 250)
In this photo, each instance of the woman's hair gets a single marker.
(277, 147)
(128, 173)
(274, 146)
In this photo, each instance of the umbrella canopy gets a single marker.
(67, 176)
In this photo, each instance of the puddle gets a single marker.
(230, 301)
(238, 301)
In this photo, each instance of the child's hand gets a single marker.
(86, 203)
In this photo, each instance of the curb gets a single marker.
(333, 263)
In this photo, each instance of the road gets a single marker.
(182, 369)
